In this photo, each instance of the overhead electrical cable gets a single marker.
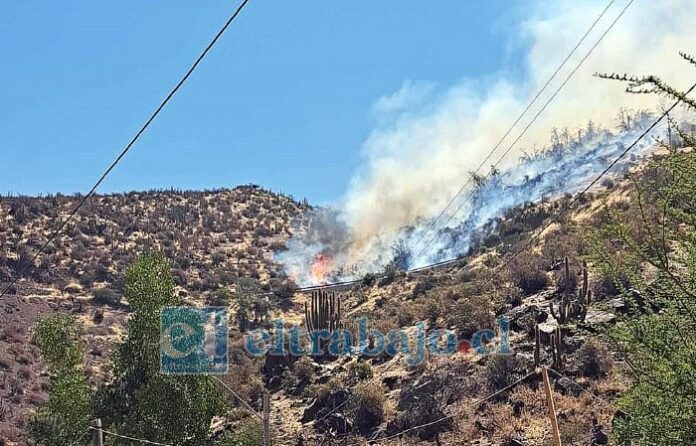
(127, 148)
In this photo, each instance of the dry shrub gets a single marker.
(529, 401)
(430, 308)
(322, 391)
(426, 401)
(367, 406)
(247, 432)
(562, 243)
(503, 370)
(304, 369)
(594, 359)
(360, 370)
(528, 272)
(24, 373)
(525, 417)
(105, 296)
(246, 379)
(576, 414)
(505, 426)
(423, 285)
(12, 333)
(471, 313)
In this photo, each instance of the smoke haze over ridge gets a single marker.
(427, 138)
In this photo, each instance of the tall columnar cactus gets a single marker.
(555, 341)
(568, 310)
(576, 308)
(585, 295)
(324, 313)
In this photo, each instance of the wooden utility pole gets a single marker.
(266, 419)
(97, 434)
(552, 407)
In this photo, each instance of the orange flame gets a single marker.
(321, 268)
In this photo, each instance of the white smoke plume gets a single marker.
(427, 139)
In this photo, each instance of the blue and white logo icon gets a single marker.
(193, 340)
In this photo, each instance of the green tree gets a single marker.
(248, 432)
(141, 401)
(649, 250)
(65, 418)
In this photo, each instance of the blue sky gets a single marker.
(283, 100)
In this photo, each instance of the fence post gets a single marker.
(552, 407)
(97, 434)
(266, 420)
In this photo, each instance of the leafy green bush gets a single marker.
(59, 339)
(658, 339)
(65, 418)
(141, 401)
(248, 432)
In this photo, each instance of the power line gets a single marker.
(562, 211)
(237, 396)
(546, 104)
(519, 118)
(347, 400)
(456, 414)
(575, 383)
(565, 209)
(512, 126)
(512, 145)
(125, 437)
(128, 146)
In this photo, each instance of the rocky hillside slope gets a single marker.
(212, 238)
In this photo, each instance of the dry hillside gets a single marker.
(213, 238)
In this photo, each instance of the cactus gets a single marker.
(577, 308)
(568, 310)
(537, 346)
(556, 344)
(585, 295)
(556, 340)
(324, 313)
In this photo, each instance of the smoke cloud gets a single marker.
(427, 138)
